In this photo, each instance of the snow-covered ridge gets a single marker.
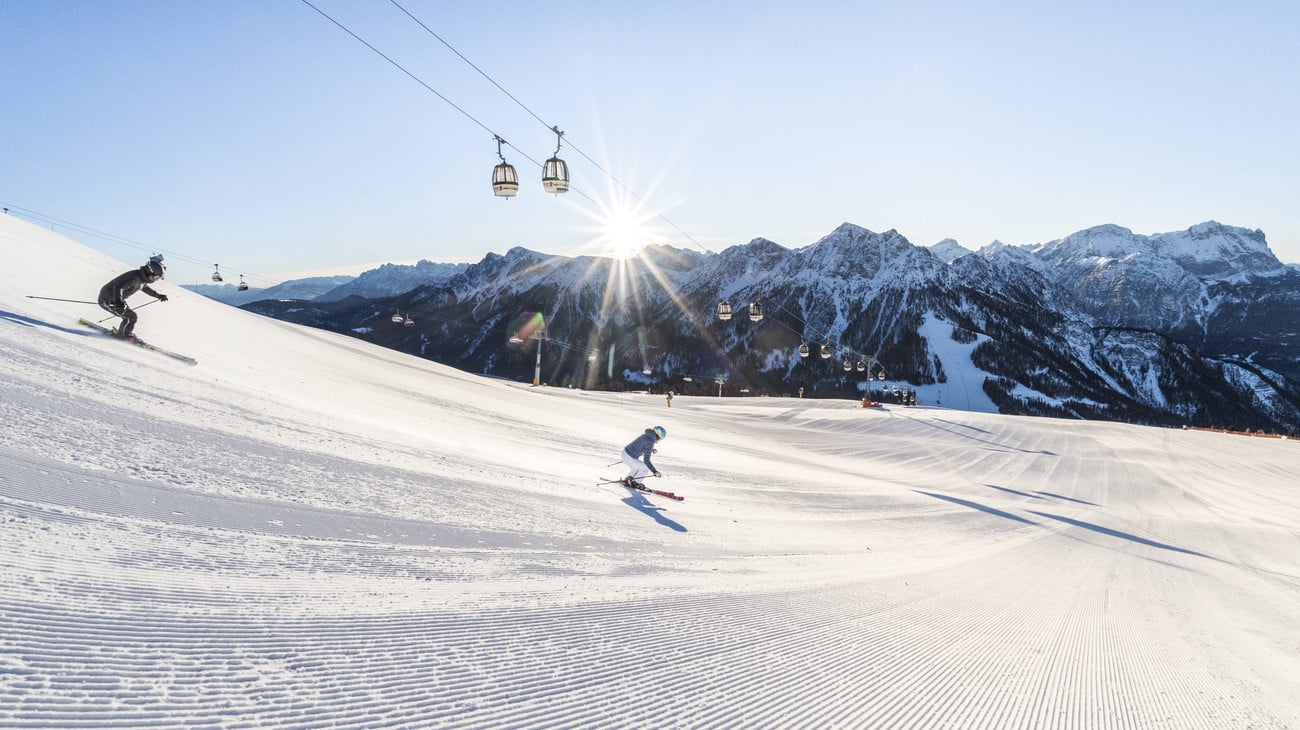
(392, 279)
(1061, 320)
(1210, 251)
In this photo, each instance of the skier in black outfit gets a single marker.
(112, 298)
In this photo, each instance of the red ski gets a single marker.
(641, 488)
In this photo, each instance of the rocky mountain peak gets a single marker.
(948, 250)
(1213, 251)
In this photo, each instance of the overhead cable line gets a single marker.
(51, 220)
(432, 90)
(485, 127)
(534, 115)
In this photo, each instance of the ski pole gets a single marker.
(52, 299)
(142, 306)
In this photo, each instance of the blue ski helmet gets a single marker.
(660, 433)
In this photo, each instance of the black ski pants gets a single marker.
(118, 307)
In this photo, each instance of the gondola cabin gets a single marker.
(505, 181)
(555, 173)
(555, 176)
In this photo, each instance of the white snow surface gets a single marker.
(305, 530)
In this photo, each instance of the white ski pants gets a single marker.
(636, 468)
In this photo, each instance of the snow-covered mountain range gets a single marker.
(391, 279)
(309, 288)
(1197, 326)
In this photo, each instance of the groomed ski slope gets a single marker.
(307, 531)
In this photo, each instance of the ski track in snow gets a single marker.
(307, 532)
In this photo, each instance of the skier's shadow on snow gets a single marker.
(639, 503)
(28, 321)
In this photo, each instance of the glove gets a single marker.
(162, 297)
(658, 474)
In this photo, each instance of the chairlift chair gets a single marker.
(803, 350)
(861, 366)
(398, 318)
(848, 366)
(826, 352)
(243, 286)
(724, 310)
(555, 172)
(216, 273)
(505, 181)
(408, 322)
(755, 311)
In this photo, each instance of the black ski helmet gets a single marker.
(155, 268)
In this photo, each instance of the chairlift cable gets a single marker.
(825, 336)
(49, 219)
(400, 67)
(543, 122)
(435, 92)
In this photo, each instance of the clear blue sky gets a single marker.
(257, 135)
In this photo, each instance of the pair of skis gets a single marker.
(642, 488)
(137, 341)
